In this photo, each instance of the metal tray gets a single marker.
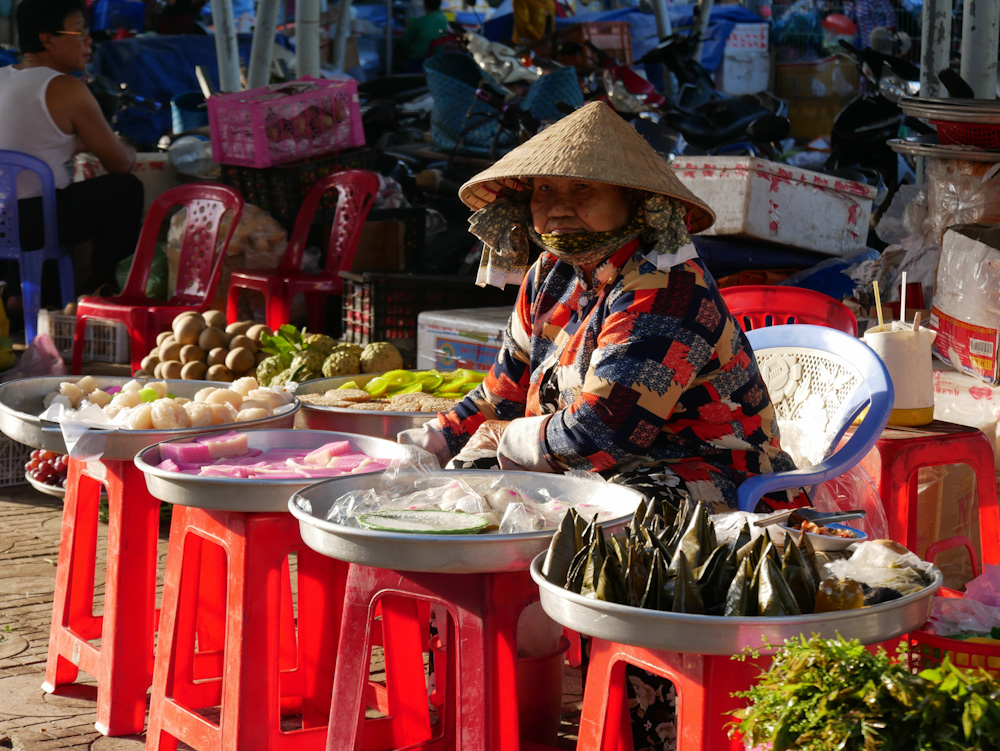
(446, 554)
(931, 147)
(21, 403)
(973, 111)
(254, 495)
(380, 424)
(716, 635)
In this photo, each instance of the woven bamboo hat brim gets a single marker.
(594, 143)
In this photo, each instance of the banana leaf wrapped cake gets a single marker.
(670, 560)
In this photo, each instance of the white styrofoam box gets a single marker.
(747, 36)
(461, 338)
(744, 72)
(779, 203)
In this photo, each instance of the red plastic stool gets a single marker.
(480, 707)
(123, 664)
(252, 667)
(900, 452)
(703, 684)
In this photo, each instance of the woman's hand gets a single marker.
(487, 436)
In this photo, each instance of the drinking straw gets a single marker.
(878, 306)
(902, 301)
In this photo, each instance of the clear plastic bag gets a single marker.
(854, 489)
(882, 563)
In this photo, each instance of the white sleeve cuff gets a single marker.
(522, 445)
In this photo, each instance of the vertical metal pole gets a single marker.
(262, 47)
(307, 38)
(703, 12)
(343, 30)
(388, 37)
(663, 30)
(935, 46)
(980, 29)
(226, 49)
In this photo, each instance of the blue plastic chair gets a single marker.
(825, 379)
(30, 262)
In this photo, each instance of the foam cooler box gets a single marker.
(769, 201)
(463, 338)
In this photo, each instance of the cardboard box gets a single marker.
(816, 92)
(966, 310)
(462, 338)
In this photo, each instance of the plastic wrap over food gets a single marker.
(507, 508)
(882, 563)
(977, 611)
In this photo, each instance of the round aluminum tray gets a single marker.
(929, 146)
(21, 403)
(446, 554)
(364, 421)
(716, 635)
(975, 111)
(254, 495)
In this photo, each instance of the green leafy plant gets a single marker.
(285, 343)
(826, 694)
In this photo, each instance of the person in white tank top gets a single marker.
(48, 112)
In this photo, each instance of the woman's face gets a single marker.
(561, 205)
(70, 48)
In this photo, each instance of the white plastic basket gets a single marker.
(105, 341)
(13, 456)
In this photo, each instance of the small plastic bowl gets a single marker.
(827, 543)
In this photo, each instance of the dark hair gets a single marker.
(430, 6)
(36, 17)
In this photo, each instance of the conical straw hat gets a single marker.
(594, 143)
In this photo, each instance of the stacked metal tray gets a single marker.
(973, 111)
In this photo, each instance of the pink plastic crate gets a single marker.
(284, 122)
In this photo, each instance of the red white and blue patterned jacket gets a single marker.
(646, 368)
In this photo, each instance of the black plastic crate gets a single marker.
(384, 306)
(281, 190)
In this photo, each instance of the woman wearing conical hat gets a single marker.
(620, 356)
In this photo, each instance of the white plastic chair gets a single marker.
(820, 380)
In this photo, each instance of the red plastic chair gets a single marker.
(197, 275)
(356, 191)
(757, 305)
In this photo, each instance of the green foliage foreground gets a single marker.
(835, 695)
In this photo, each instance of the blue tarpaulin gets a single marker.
(157, 68)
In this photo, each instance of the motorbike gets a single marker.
(115, 99)
(861, 130)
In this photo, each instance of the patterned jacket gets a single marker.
(647, 368)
